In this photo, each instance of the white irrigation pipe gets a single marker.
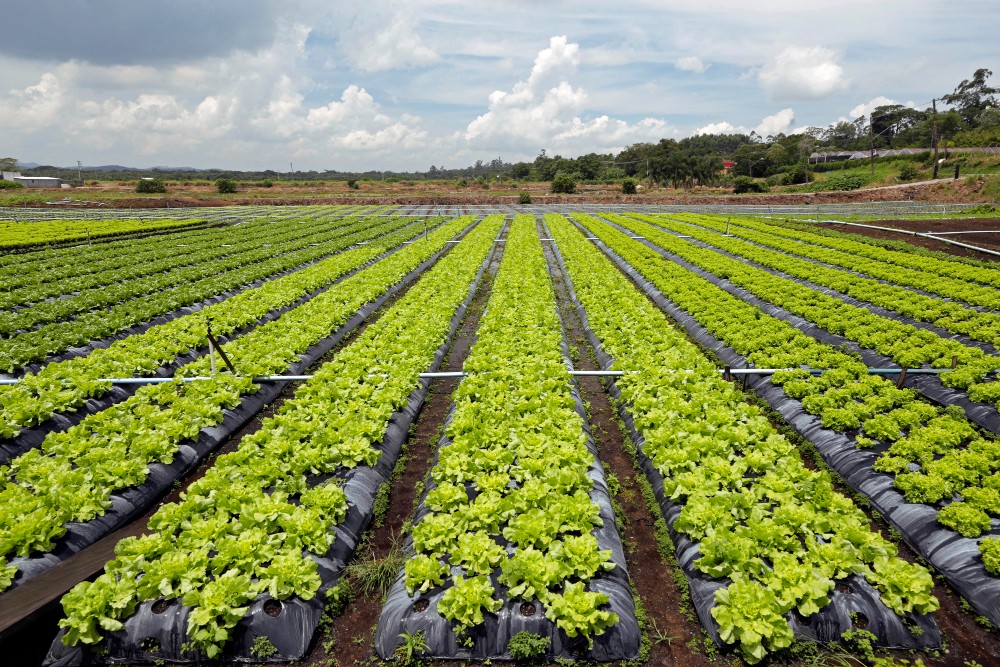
(921, 234)
(981, 231)
(460, 374)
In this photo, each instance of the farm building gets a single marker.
(38, 181)
(9, 175)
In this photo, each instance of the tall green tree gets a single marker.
(971, 97)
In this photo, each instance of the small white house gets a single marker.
(9, 175)
(38, 181)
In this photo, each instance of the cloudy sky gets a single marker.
(346, 85)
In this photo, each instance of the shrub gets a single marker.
(10, 185)
(800, 174)
(524, 198)
(909, 172)
(154, 185)
(744, 184)
(267, 183)
(353, 184)
(563, 184)
(225, 185)
(461, 183)
(628, 186)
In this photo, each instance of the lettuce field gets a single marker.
(334, 435)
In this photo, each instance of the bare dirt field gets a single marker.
(121, 194)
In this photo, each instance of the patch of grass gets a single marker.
(371, 575)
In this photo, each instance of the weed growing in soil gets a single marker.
(527, 646)
(414, 645)
(262, 647)
(373, 575)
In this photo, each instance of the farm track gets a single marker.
(989, 241)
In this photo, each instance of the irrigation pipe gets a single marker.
(921, 234)
(459, 374)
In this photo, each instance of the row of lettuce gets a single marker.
(971, 272)
(50, 260)
(24, 276)
(508, 516)
(74, 474)
(252, 525)
(971, 320)
(236, 271)
(217, 253)
(936, 456)
(61, 386)
(503, 522)
(777, 531)
(23, 235)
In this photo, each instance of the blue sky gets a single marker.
(259, 84)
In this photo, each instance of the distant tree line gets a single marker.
(968, 116)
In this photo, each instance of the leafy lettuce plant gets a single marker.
(467, 600)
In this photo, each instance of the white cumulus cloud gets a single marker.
(34, 106)
(691, 64)
(867, 107)
(397, 46)
(802, 73)
(777, 123)
(547, 110)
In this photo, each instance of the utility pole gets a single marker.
(79, 173)
(871, 142)
(934, 137)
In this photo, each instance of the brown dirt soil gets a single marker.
(990, 241)
(180, 194)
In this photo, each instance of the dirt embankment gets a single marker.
(119, 195)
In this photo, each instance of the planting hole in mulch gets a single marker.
(527, 609)
(844, 588)
(272, 608)
(421, 604)
(860, 621)
(159, 606)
